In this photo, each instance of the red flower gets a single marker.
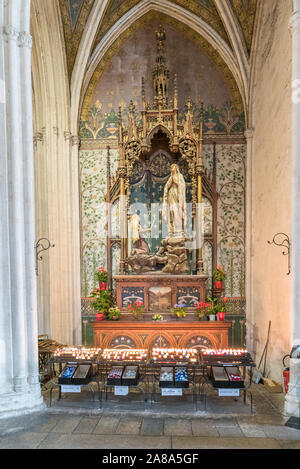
(225, 299)
(129, 307)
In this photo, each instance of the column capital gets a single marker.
(25, 40)
(22, 38)
(294, 22)
(75, 140)
(67, 135)
(249, 133)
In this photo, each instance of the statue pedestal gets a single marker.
(159, 292)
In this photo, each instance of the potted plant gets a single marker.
(206, 309)
(113, 314)
(136, 309)
(157, 317)
(179, 311)
(219, 277)
(101, 303)
(203, 310)
(101, 277)
(221, 308)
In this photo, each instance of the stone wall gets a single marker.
(271, 184)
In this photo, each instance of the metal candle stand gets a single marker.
(72, 361)
(243, 361)
(147, 381)
(105, 367)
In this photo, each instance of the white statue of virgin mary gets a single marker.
(174, 202)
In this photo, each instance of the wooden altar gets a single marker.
(147, 334)
(159, 292)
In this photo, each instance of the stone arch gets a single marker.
(236, 60)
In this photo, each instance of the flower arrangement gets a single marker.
(157, 317)
(219, 274)
(113, 314)
(205, 309)
(136, 309)
(179, 311)
(101, 275)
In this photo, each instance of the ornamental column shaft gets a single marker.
(293, 396)
(19, 374)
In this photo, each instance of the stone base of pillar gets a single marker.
(292, 399)
(15, 404)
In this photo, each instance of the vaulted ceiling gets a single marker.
(75, 15)
(94, 31)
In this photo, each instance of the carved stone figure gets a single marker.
(139, 260)
(174, 203)
(173, 254)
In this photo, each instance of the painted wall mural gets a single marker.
(199, 77)
(93, 187)
(231, 161)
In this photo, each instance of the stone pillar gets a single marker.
(249, 313)
(76, 238)
(293, 396)
(19, 376)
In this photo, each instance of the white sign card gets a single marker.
(171, 391)
(70, 388)
(121, 390)
(229, 392)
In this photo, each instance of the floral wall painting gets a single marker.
(231, 161)
(93, 188)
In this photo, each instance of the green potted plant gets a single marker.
(219, 277)
(101, 303)
(179, 311)
(101, 277)
(221, 308)
(136, 309)
(113, 314)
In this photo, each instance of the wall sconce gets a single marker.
(281, 239)
(40, 247)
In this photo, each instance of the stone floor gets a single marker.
(77, 422)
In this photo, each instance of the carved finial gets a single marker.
(160, 72)
(143, 87)
(201, 112)
(160, 34)
(131, 108)
(175, 84)
(189, 104)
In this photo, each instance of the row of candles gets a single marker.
(185, 354)
(78, 353)
(175, 354)
(225, 352)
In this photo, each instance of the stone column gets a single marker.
(18, 314)
(76, 238)
(249, 313)
(293, 396)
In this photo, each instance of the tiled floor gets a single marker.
(124, 424)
